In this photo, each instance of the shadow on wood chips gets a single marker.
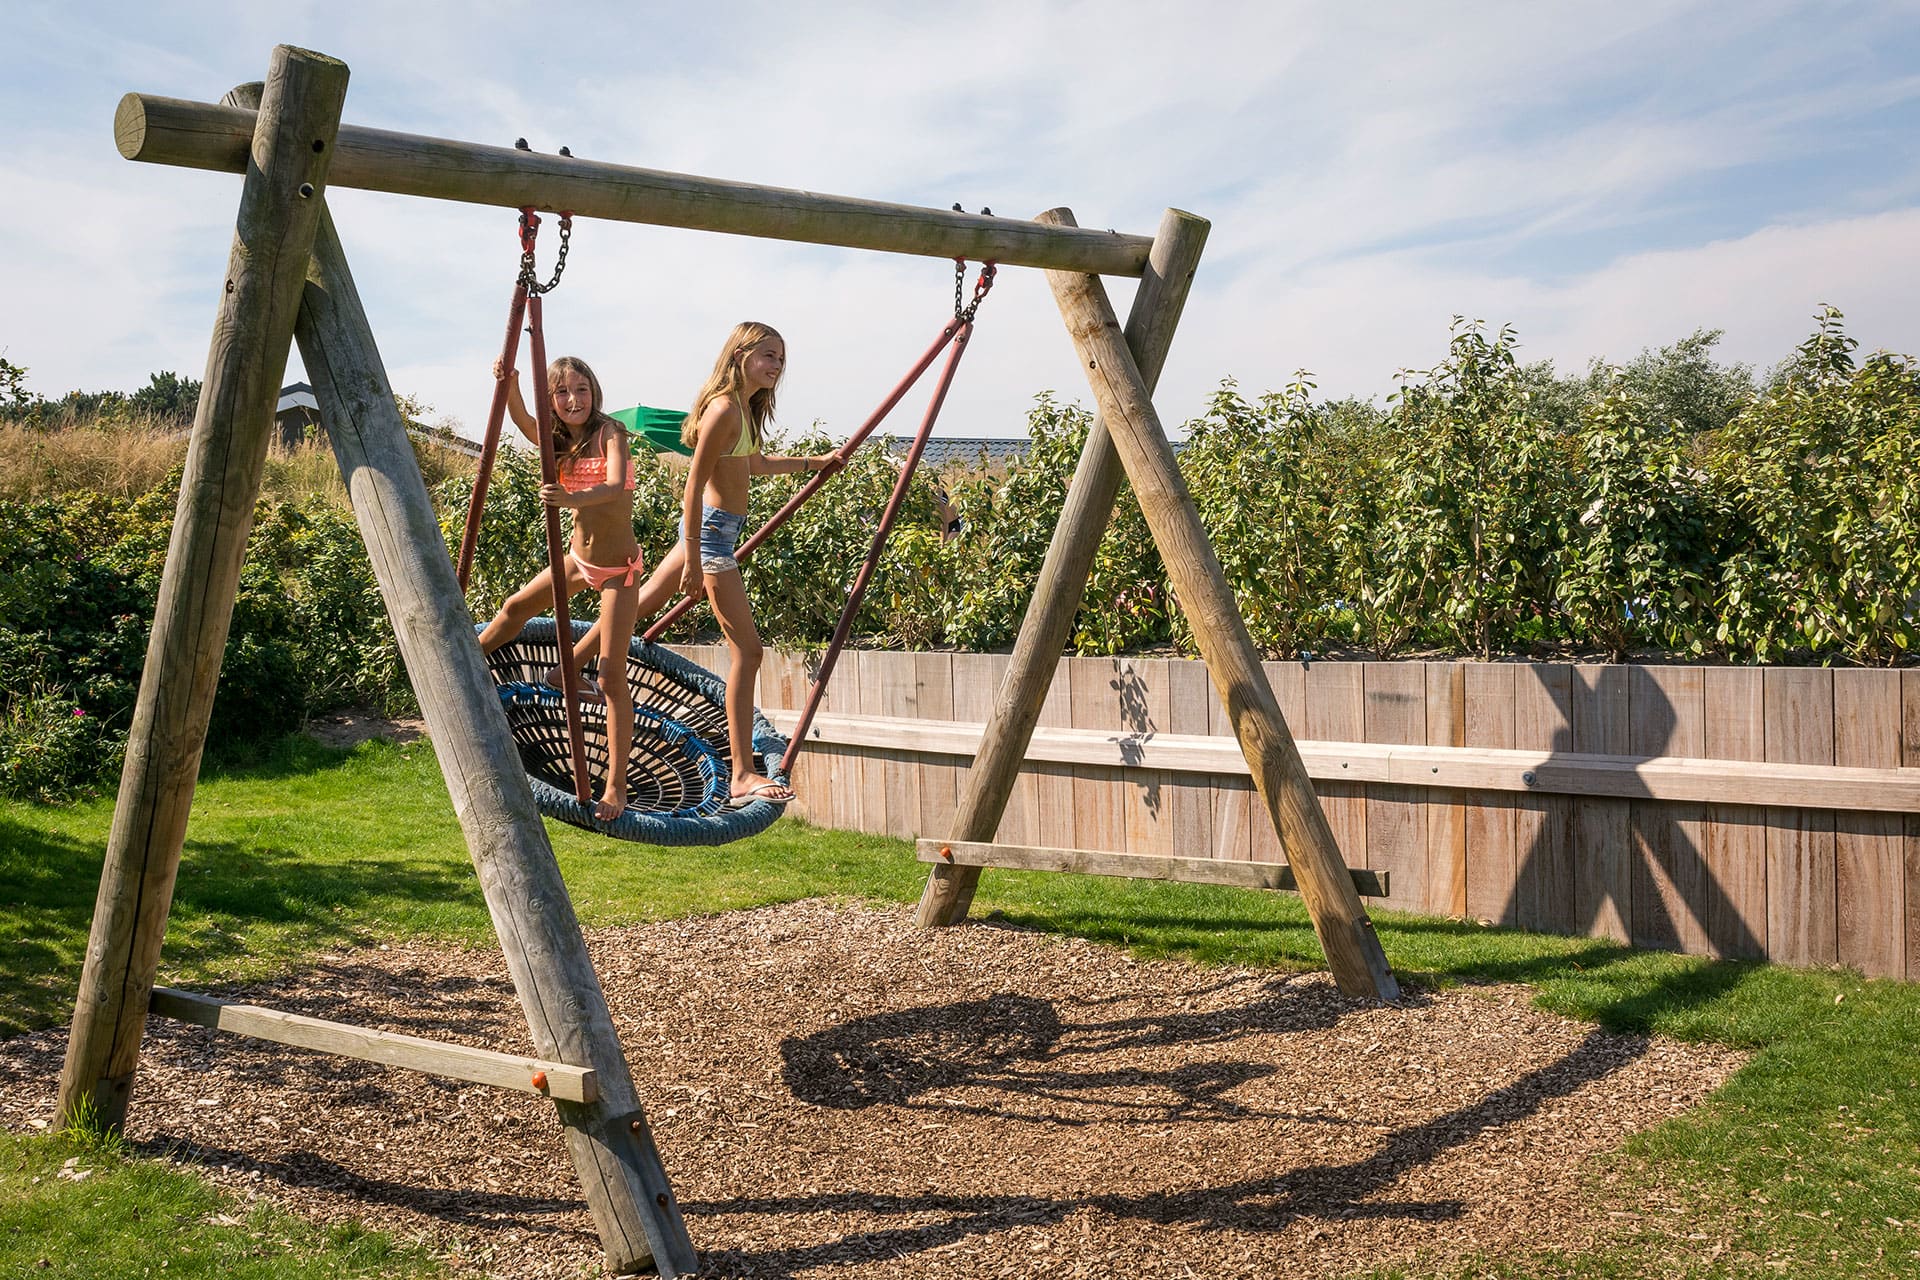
(837, 1093)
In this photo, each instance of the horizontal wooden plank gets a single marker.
(459, 1062)
(1461, 768)
(1138, 866)
(202, 135)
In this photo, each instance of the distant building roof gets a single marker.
(969, 450)
(299, 395)
(972, 450)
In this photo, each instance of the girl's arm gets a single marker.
(719, 429)
(516, 405)
(761, 464)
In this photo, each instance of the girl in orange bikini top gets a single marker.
(595, 479)
(585, 470)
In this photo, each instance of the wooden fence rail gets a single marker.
(1732, 811)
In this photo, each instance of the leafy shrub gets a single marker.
(1821, 474)
(1491, 509)
(167, 396)
(50, 748)
(511, 547)
(1640, 557)
(1470, 536)
(800, 579)
(1269, 496)
(1007, 524)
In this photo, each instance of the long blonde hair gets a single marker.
(564, 443)
(728, 381)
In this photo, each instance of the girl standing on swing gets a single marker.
(726, 429)
(596, 481)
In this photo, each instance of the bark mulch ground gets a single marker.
(837, 1094)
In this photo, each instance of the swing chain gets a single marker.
(529, 228)
(963, 310)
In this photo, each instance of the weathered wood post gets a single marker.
(1346, 934)
(612, 1147)
(1063, 577)
(266, 269)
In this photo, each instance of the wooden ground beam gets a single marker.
(246, 361)
(1137, 866)
(1353, 950)
(1088, 510)
(621, 1175)
(201, 135)
(390, 1048)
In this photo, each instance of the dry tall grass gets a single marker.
(128, 459)
(124, 461)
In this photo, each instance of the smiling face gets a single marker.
(573, 398)
(763, 363)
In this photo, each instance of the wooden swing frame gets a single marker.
(287, 280)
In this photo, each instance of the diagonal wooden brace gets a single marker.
(1063, 578)
(1346, 934)
(620, 1170)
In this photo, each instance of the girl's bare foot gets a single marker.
(589, 689)
(756, 787)
(613, 801)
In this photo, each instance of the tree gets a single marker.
(168, 397)
(14, 396)
(1472, 522)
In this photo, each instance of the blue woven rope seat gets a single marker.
(679, 769)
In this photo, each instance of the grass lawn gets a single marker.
(1811, 1154)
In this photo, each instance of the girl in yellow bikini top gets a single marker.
(749, 442)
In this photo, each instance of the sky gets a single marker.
(1604, 177)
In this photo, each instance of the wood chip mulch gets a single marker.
(836, 1093)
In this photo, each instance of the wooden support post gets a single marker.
(1346, 934)
(203, 136)
(620, 1171)
(266, 269)
(1063, 578)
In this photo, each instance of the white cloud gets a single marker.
(1370, 171)
(1356, 322)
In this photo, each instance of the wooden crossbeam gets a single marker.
(1138, 866)
(202, 135)
(455, 1061)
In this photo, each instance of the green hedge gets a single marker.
(1670, 507)
(1665, 508)
(78, 580)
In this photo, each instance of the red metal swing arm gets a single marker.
(858, 591)
(526, 305)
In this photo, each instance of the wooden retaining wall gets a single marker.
(1717, 811)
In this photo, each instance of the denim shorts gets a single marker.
(719, 533)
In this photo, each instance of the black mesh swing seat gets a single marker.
(679, 771)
